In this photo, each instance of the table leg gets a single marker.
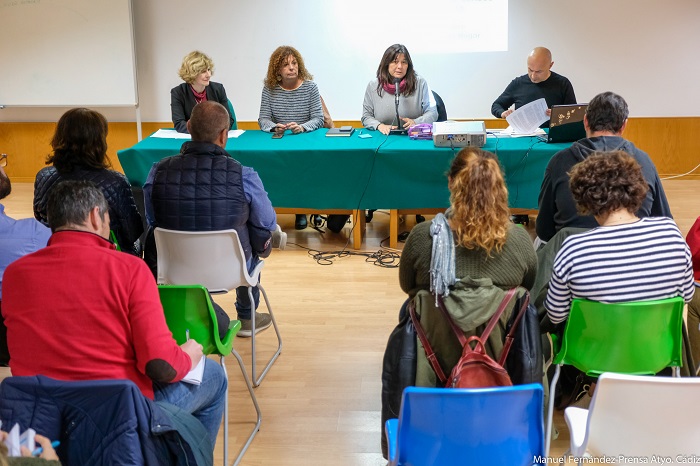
(358, 220)
(393, 228)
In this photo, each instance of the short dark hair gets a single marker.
(207, 121)
(383, 76)
(5, 185)
(80, 139)
(607, 112)
(606, 182)
(70, 203)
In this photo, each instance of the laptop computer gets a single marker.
(566, 123)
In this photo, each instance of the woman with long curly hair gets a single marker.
(416, 103)
(486, 243)
(290, 99)
(80, 153)
(196, 71)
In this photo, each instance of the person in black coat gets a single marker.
(196, 70)
(80, 153)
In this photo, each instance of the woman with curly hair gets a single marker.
(477, 226)
(416, 104)
(80, 153)
(626, 258)
(290, 99)
(196, 70)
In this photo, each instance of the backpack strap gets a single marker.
(511, 333)
(429, 352)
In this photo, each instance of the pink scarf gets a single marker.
(391, 87)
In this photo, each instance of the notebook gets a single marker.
(342, 131)
(566, 123)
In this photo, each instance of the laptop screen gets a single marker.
(566, 123)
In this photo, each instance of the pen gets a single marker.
(40, 450)
(187, 334)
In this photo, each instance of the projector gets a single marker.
(459, 133)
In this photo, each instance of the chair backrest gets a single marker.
(214, 259)
(188, 311)
(233, 115)
(502, 425)
(635, 415)
(633, 338)
(442, 111)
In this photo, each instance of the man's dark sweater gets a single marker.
(556, 90)
(557, 208)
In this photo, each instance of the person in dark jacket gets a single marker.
(205, 189)
(196, 70)
(539, 82)
(605, 120)
(80, 153)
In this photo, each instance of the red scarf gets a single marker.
(391, 87)
(199, 96)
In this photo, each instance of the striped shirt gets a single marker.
(640, 261)
(301, 105)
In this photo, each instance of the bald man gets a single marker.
(539, 82)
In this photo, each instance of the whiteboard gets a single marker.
(67, 53)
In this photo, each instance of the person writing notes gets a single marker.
(539, 82)
(416, 102)
(196, 70)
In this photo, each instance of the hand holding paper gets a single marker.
(529, 117)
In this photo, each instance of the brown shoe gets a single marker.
(262, 321)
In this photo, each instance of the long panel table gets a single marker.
(311, 172)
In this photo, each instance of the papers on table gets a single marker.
(172, 134)
(527, 119)
(194, 376)
(510, 133)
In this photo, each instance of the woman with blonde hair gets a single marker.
(196, 70)
(475, 238)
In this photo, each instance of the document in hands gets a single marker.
(194, 376)
(528, 118)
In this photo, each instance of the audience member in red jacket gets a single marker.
(693, 240)
(80, 310)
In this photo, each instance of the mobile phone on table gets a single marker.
(277, 135)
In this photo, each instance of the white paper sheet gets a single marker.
(529, 117)
(194, 376)
(172, 134)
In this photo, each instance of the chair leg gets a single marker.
(257, 380)
(223, 366)
(255, 430)
(550, 410)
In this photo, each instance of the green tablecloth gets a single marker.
(313, 171)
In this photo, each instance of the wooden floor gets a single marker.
(321, 400)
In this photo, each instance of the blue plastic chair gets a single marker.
(494, 426)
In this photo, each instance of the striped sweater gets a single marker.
(301, 105)
(639, 261)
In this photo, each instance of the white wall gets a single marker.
(646, 50)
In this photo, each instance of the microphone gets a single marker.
(397, 82)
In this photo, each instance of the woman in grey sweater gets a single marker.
(416, 102)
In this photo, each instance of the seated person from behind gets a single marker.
(693, 240)
(539, 82)
(80, 153)
(605, 120)
(99, 314)
(196, 70)
(626, 258)
(290, 100)
(486, 243)
(17, 238)
(416, 102)
(205, 189)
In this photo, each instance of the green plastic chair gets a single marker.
(113, 239)
(189, 312)
(637, 338)
(233, 115)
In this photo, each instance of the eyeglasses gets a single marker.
(3, 160)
